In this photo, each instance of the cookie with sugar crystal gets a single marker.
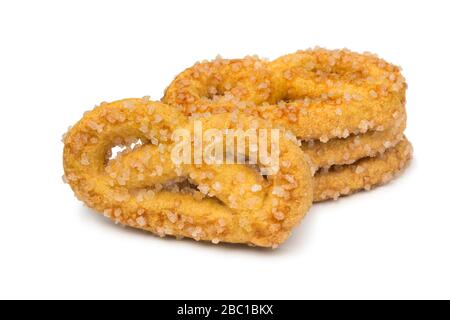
(317, 94)
(362, 175)
(325, 80)
(143, 188)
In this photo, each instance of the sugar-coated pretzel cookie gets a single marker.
(143, 188)
(317, 94)
(364, 174)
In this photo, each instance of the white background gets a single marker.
(59, 58)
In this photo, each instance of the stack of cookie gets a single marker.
(345, 110)
(341, 115)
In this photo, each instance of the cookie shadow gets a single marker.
(92, 217)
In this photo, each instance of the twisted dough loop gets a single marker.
(354, 147)
(364, 174)
(144, 189)
(220, 86)
(336, 92)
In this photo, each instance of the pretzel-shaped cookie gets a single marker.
(318, 94)
(144, 188)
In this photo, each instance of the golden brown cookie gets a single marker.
(143, 187)
(317, 94)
